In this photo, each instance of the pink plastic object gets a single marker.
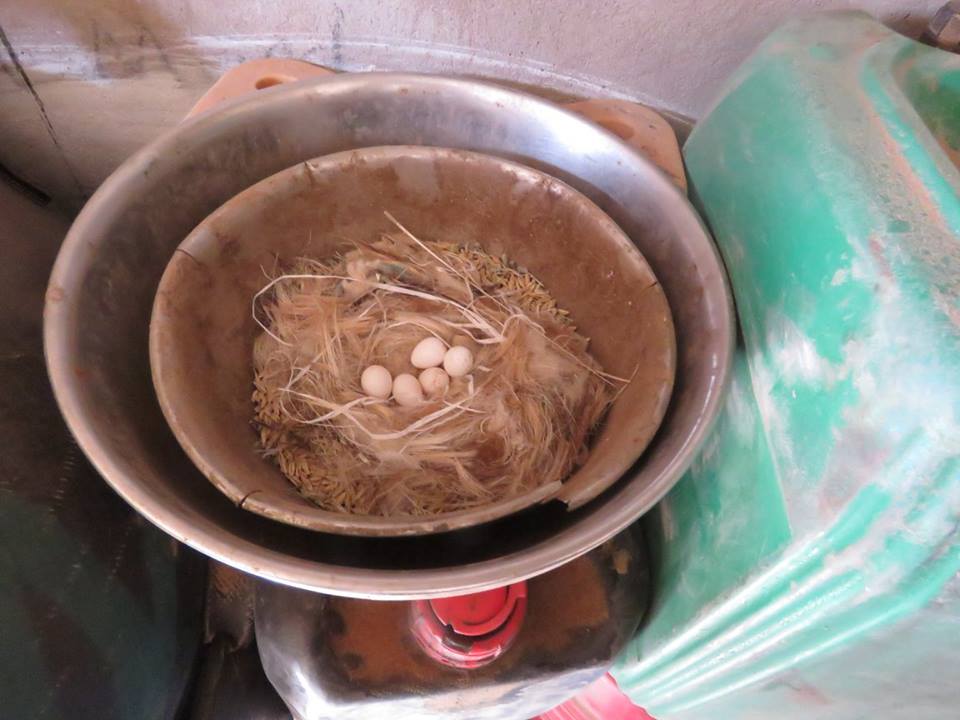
(470, 631)
(603, 700)
(256, 75)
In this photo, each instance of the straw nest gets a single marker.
(521, 420)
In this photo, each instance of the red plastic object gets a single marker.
(480, 613)
(603, 700)
(469, 631)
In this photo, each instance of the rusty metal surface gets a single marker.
(202, 333)
(350, 659)
(107, 273)
(100, 613)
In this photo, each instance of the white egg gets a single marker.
(428, 353)
(434, 382)
(458, 361)
(376, 382)
(407, 390)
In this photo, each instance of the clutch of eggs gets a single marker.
(427, 356)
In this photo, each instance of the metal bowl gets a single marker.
(103, 284)
(202, 333)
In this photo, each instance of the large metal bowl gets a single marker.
(102, 288)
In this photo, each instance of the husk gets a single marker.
(521, 420)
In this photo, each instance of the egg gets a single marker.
(428, 353)
(434, 382)
(407, 390)
(458, 361)
(376, 382)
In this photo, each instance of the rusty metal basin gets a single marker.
(202, 332)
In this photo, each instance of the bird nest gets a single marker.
(520, 419)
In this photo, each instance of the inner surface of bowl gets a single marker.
(202, 331)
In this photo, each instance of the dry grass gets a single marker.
(521, 420)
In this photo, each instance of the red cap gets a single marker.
(468, 631)
(477, 614)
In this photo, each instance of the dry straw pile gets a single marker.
(521, 420)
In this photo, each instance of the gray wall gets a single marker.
(108, 75)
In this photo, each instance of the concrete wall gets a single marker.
(85, 83)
